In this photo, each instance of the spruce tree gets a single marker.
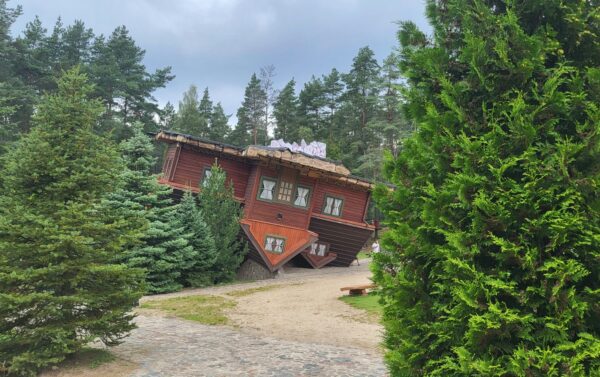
(60, 287)
(164, 251)
(285, 111)
(492, 262)
(219, 128)
(222, 214)
(251, 127)
(198, 270)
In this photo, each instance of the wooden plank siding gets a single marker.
(316, 261)
(296, 240)
(191, 165)
(344, 240)
(355, 201)
(269, 211)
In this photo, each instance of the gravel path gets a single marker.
(298, 329)
(173, 347)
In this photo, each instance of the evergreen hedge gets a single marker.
(492, 261)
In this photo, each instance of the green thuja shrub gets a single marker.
(60, 286)
(491, 266)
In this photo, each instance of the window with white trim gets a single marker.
(206, 176)
(284, 193)
(332, 206)
(302, 196)
(319, 249)
(267, 188)
(274, 244)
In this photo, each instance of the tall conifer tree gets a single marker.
(219, 128)
(492, 262)
(251, 127)
(164, 251)
(285, 111)
(60, 287)
(222, 214)
(199, 267)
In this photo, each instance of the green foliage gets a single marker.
(492, 261)
(164, 251)
(33, 60)
(198, 269)
(219, 128)
(285, 111)
(222, 214)
(251, 127)
(189, 119)
(59, 285)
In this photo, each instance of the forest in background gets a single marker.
(356, 113)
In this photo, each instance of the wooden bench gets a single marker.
(358, 290)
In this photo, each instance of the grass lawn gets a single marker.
(250, 291)
(369, 303)
(208, 310)
(363, 255)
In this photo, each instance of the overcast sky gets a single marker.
(219, 43)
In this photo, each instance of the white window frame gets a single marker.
(274, 244)
(272, 192)
(331, 204)
(305, 197)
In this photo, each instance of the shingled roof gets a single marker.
(312, 165)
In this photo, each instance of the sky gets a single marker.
(219, 43)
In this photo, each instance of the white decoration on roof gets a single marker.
(315, 148)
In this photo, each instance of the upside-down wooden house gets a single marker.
(296, 206)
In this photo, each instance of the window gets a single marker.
(333, 206)
(274, 244)
(284, 193)
(205, 176)
(267, 187)
(319, 249)
(302, 196)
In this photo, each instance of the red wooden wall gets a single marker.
(354, 201)
(268, 211)
(191, 164)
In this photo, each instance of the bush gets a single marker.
(493, 250)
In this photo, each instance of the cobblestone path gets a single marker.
(164, 346)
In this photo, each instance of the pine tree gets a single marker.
(122, 81)
(164, 251)
(59, 285)
(493, 256)
(199, 268)
(219, 128)
(251, 127)
(222, 214)
(361, 105)
(285, 111)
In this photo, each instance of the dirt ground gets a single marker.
(310, 311)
